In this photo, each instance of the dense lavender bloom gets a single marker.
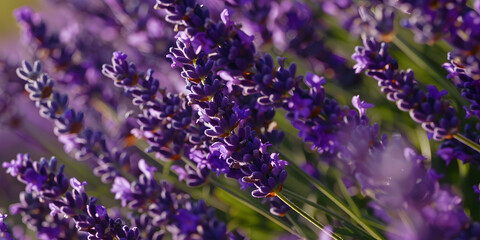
(464, 39)
(168, 207)
(43, 177)
(435, 114)
(168, 122)
(45, 187)
(44, 183)
(219, 110)
(91, 142)
(459, 24)
(90, 217)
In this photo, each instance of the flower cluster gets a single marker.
(69, 124)
(211, 55)
(212, 96)
(437, 117)
(109, 166)
(168, 207)
(167, 122)
(47, 188)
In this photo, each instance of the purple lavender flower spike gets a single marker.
(42, 177)
(470, 88)
(168, 207)
(44, 183)
(437, 117)
(69, 124)
(90, 217)
(51, 191)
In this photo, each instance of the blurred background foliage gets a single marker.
(8, 26)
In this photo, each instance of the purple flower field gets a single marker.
(240, 119)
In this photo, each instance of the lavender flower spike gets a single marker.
(435, 115)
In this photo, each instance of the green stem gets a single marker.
(335, 200)
(250, 205)
(475, 146)
(296, 225)
(306, 216)
(346, 194)
(327, 211)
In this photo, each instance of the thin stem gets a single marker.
(306, 216)
(296, 225)
(327, 211)
(473, 145)
(252, 206)
(335, 200)
(346, 194)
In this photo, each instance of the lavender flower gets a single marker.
(436, 115)
(218, 111)
(69, 124)
(35, 214)
(90, 217)
(167, 122)
(42, 177)
(45, 182)
(89, 142)
(167, 207)
(45, 186)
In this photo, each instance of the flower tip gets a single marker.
(77, 185)
(119, 55)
